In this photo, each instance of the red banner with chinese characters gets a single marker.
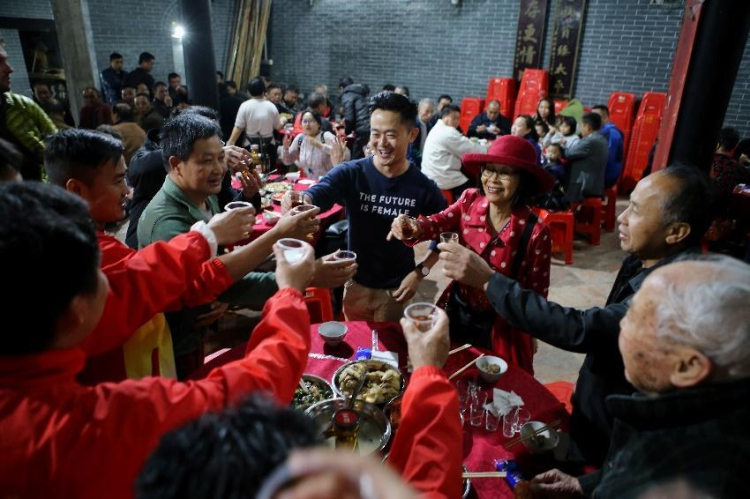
(532, 18)
(566, 39)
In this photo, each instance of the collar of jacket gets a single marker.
(680, 407)
(635, 266)
(176, 194)
(52, 367)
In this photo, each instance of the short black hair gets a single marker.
(144, 94)
(93, 89)
(47, 236)
(78, 153)
(159, 84)
(145, 57)
(256, 87)
(571, 122)
(529, 122)
(601, 107)
(172, 75)
(404, 88)
(232, 84)
(11, 160)
(593, 120)
(542, 124)
(729, 137)
(391, 101)
(124, 111)
(558, 146)
(128, 86)
(315, 115)
(388, 88)
(315, 99)
(291, 88)
(114, 55)
(225, 454)
(204, 111)
(346, 81)
(40, 84)
(693, 202)
(445, 96)
(179, 135)
(448, 109)
(272, 86)
(110, 130)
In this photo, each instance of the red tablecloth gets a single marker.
(480, 447)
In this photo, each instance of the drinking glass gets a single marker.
(464, 394)
(344, 256)
(300, 208)
(296, 198)
(423, 315)
(510, 420)
(522, 417)
(238, 205)
(449, 237)
(407, 226)
(492, 419)
(294, 249)
(476, 409)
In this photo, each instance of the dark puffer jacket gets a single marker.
(354, 102)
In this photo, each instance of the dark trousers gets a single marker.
(457, 191)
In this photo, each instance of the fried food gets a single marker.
(383, 381)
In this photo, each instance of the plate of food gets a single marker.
(373, 432)
(313, 389)
(277, 196)
(383, 381)
(278, 187)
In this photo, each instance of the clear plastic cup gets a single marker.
(238, 205)
(449, 237)
(423, 315)
(294, 249)
(492, 419)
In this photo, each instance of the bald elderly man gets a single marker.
(490, 124)
(685, 342)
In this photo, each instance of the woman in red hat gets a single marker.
(496, 223)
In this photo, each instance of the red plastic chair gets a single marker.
(563, 391)
(502, 90)
(644, 133)
(470, 108)
(534, 85)
(448, 195)
(589, 219)
(609, 209)
(622, 113)
(318, 301)
(561, 224)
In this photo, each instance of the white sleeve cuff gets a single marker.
(207, 232)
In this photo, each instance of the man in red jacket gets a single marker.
(61, 439)
(187, 269)
(234, 453)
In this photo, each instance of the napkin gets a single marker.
(503, 402)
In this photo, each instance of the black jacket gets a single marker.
(594, 332)
(356, 114)
(146, 176)
(501, 122)
(699, 436)
(138, 76)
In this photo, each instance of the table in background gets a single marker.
(480, 447)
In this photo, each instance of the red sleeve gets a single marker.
(144, 283)
(428, 448)
(538, 261)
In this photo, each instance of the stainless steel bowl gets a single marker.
(335, 378)
(375, 429)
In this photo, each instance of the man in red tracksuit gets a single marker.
(61, 439)
(185, 272)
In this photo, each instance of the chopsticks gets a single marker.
(483, 474)
(464, 368)
(534, 433)
(459, 349)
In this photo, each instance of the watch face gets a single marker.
(425, 271)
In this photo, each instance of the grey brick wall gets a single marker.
(127, 26)
(434, 47)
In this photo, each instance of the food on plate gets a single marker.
(277, 196)
(278, 187)
(315, 391)
(383, 381)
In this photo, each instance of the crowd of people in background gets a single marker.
(84, 314)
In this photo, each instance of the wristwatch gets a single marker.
(423, 271)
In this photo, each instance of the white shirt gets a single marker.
(258, 118)
(313, 161)
(441, 157)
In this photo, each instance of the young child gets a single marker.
(555, 157)
(568, 127)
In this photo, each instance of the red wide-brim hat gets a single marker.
(517, 153)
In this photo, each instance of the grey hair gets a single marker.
(425, 102)
(711, 315)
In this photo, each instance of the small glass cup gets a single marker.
(296, 198)
(407, 226)
(476, 409)
(509, 422)
(294, 249)
(238, 205)
(449, 237)
(423, 315)
(344, 256)
(300, 208)
(492, 419)
(522, 417)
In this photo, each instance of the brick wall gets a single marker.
(127, 26)
(434, 47)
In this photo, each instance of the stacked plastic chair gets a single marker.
(621, 112)
(470, 107)
(645, 131)
(534, 85)
(502, 90)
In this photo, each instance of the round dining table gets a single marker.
(480, 447)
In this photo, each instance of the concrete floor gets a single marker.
(583, 285)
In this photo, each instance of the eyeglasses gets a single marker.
(501, 175)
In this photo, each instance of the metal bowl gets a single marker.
(335, 378)
(375, 429)
(392, 411)
(322, 384)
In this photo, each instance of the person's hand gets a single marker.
(338, 151)
(217, 310)
(314, 142)
(408, 287)
(286, 201)
(555, 483)
(428, 348)
(238, 158)
(482, 128)
(464, 266)
(297, 275)
(287, 141)
(332, 274)
(323, 473)
(232, 226)
(251, 183)
(297, 225)
(168, 101)
(397, 228)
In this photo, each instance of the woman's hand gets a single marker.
(287, 141)
(338, 151)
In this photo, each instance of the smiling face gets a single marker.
(201, 174)
(390, 139)
(107, 193)
(500, 183)
(309, 125)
